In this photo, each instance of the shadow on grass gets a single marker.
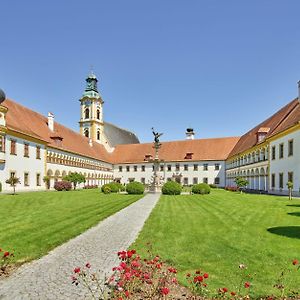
(288, 231)
(295, 214)
(294, 205)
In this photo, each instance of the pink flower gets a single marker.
(88, 265)
(77, 270)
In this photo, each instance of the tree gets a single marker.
(241, 182)
(75, 178)
(13, 181)
(46, 179)
(290, 186)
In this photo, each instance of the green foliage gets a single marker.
(75, 178)
(106, 189)
(46, 179)
(290, 186)
(241, 182)
(201, 188)
(0, 187)
(213, 186)
(13, 181)
(135, 188)
(115, 187)
(171, 188)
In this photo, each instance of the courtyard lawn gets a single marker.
(217, 232)
(34, 223)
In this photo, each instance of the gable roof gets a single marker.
(24, 120)
(201, 149)
(284, 118)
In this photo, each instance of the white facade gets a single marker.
(188, 173)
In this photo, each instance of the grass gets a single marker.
(217, 232)
(34, 223)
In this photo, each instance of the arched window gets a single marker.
(87, 113)
(98, 135)
(98, 114)
(86, 132)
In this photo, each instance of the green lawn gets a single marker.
(217, 232)
(34, 223)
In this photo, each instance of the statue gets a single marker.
(156, 136)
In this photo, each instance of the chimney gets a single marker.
(299, 90)
(190, 134)
(90, 142)
(51, 121)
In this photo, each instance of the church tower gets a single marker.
(91, 111)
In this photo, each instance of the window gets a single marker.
(86, 132)
(281, 180)
(205, 180)
(205, 167)
(38, 152)
(217, 167)
(273, 181)
(143, 180)
(291, 148)
(161, 168)
(189, 155)
(135, 168)
(38, 179)
(185, 181)
(13, 147)
(153, 168)
(26, 150)
(290, 176)
(120, 169)
(26, 179)
(217, 180)
(195, 180)
(169, 168)
(281, 151)
(98, 135)
(2, 143)
(127, 168)
(143, 168)
(12, 174)
(186, 167)
(98, 114)
(131, 179)
(195, 167)
(273, 152)
(177, 167)
(87, 113)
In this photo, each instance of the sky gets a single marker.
(218, 66)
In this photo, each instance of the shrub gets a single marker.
(63, 185)
(106, 189)
(231, 188)
(171, 188)
(201, 188)
(213, 186)
(115, 187)
(135, 188)
(90, 186)
(0, 187)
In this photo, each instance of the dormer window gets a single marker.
(148, 156)
(262, 133)
(189, 155)
(57, 140)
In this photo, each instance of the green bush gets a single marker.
(135, 188)
(213, 186)
(201, 188)
(0, 187)
(171, 188)
(115, 187)
(106, 189)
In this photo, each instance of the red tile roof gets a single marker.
(286, 117)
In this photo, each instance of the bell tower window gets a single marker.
(98, 135)
(87, 113)
(98, 114)
(86, 132)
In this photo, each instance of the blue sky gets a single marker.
(218, 66)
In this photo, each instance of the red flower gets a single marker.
(233, 293)
(165, 291)
(205, 275)
(127, 294)
(224, 290)
(295, 262)
(76, 270)
(247, 285)
(6, 254)
(88, 265)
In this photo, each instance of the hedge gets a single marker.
(135, 188)
(115, 187)
(171, 188)
(201, 188)
(63, 185)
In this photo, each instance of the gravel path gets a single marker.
(49, 277)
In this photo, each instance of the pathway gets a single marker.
(49, 277)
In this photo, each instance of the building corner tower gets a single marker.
(91, 111)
